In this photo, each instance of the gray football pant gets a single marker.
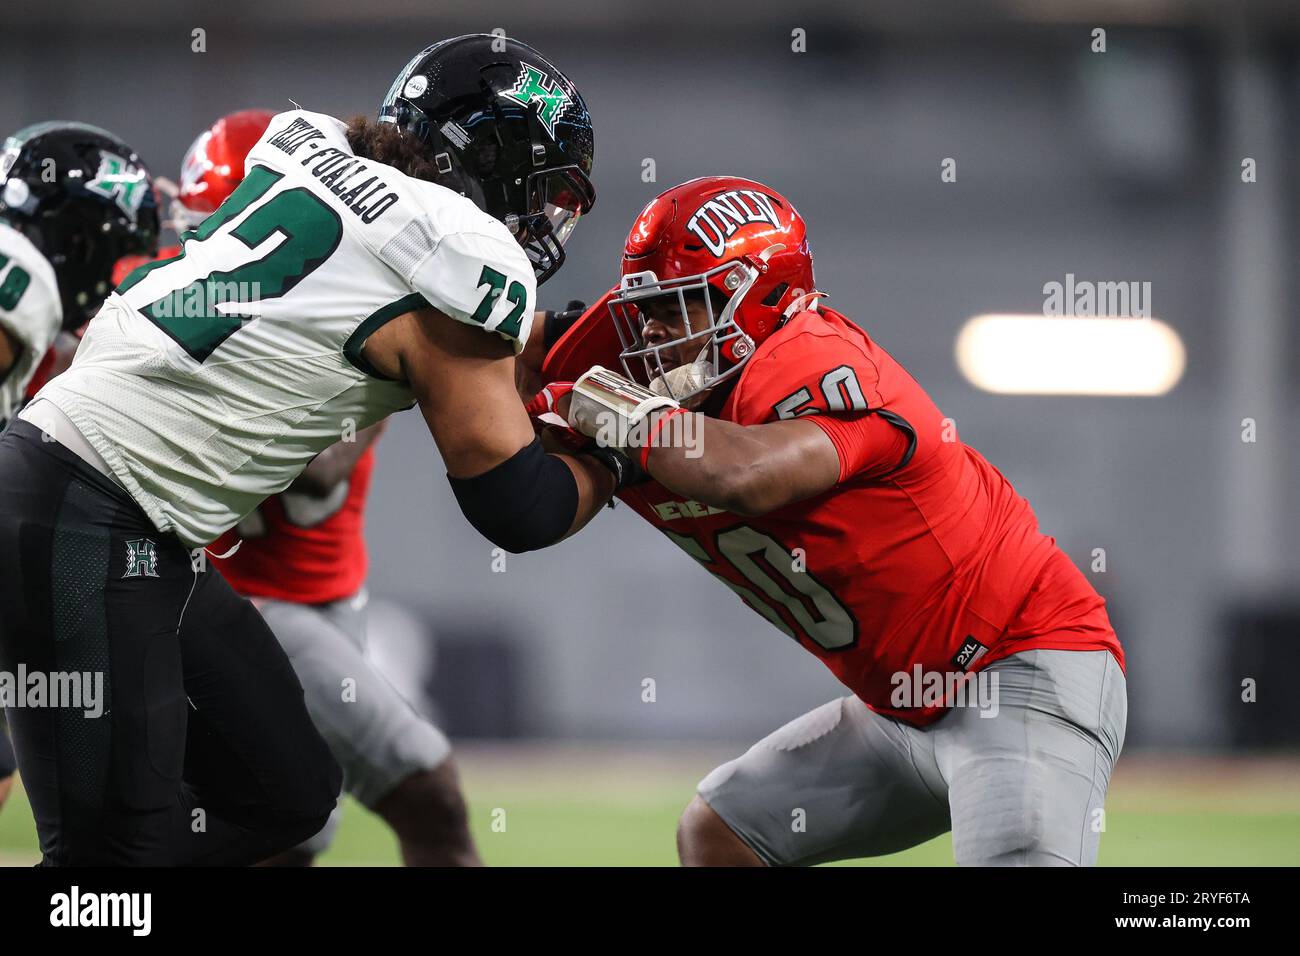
(1023, 788)
(376, 736)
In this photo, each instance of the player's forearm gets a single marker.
(595, 487)
(720, 466)
(745, 469)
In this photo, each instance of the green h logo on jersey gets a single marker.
(120, 181)
(534, 86)
(141, 559)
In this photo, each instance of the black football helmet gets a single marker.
(508, 130)
(85, 200)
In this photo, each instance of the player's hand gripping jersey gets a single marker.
(922, 554)
(29, 311)
(207, 382)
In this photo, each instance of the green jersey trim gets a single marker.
(371, 324)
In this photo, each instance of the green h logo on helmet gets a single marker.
(120, 181)
(534, 86)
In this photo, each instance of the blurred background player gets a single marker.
(60, 237)
(823, 486)
(301, 556)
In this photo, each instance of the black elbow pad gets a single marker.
(529, 501)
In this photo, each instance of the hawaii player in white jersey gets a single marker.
(358, 270)
(302, 558)
(59, 240)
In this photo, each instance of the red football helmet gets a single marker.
(214, 165)
(721, 233)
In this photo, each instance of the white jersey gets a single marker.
(30, 311)
(208, 381)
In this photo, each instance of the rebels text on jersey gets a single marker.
(208, 381)
(922, 554)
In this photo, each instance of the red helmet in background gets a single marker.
(214, 165)
(735, 237)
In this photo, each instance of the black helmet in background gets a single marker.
(85, 200)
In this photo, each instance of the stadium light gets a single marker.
(1040, 355)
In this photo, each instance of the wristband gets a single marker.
(655, 428)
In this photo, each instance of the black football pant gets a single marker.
(204, 753)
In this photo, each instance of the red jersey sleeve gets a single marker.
(869, 446)
(819, 367)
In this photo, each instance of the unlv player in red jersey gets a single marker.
(781, 447)
(301, 556)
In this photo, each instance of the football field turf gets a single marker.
(603, 805)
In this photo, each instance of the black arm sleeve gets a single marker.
(557, 323)
(529, 501)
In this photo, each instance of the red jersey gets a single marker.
(128, 264)
(298, 548)
(42, 373)
(922, 554)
